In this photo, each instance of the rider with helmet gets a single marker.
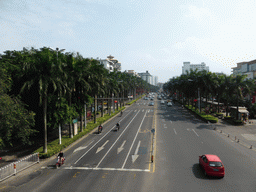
(117, 126)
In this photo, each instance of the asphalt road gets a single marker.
(121, 160)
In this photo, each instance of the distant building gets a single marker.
(219, 73)
(132, 72)
(245, 68)
(110, 63)
(146, 77)
(153, 80)
(187, 66)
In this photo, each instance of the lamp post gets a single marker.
(57, 50)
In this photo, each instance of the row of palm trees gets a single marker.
(230, 90)
(67, 80)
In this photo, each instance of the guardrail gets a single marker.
(13, 168)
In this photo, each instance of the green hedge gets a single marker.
(54, 147)
(203, 115)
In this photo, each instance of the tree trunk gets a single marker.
(70, 123)
(45, 123)
(81, 123)
(237, 108)
(109, 103)
(95, 107)
(102, 106)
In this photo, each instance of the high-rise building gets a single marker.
(153, 80)
(187, 66)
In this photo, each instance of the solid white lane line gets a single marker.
(133, 141)
(195, 133)
(97, 142)
(175, 131)
(117, 139)
(106, 169)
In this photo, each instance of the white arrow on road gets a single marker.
(102, 147)
(79, 148)
(121, 148)
(82, 147)
(135, 156)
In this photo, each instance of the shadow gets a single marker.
(96, 133)
(199, 173)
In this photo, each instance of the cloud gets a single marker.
(199, 14)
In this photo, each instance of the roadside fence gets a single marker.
(235, 138)
(13, 168)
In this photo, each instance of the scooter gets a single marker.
(100, 130)
(59, 163)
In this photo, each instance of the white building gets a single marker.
(110, 63)
(132, 72)
(156, 80)
(200, 67)
(153, 80)
(146, 77)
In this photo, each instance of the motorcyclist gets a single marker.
(61, 156)
(100, 128)
(117, 126)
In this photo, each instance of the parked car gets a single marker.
(212, 165)
(169, 104)
(162, 102)
(151, 98)
(151, 104)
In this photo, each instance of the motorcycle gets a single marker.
(100, 130)
(59, 162)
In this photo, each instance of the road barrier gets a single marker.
(242, 141)
(14, 168)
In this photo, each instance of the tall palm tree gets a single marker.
(43, 72)
(238, 84)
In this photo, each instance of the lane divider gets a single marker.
(117, 139)
(98, 141)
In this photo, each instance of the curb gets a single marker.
(248, 146)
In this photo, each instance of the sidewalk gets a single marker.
(244, 134)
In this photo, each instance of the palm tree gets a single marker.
(42, 72)
(81, 85)
(238, 84)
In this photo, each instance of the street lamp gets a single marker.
(57, 50)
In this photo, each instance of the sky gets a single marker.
(144, 35)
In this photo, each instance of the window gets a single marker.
(215, 164)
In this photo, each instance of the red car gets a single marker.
(212, 165)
